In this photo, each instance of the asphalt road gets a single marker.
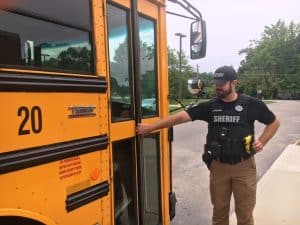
(191, 177)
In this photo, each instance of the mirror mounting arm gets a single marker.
(189, 8)
(177, 100)
(182, 106)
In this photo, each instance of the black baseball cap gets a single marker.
(224, 74)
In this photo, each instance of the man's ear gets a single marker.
(234, 82)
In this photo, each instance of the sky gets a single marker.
(231, 24)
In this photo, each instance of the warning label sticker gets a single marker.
(69, 167)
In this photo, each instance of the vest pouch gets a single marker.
(207, 156)
(232, 151)
(237, 147)
(226, 151)
(215, 149)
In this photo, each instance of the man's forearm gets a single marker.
(269, 131)
(170, 121)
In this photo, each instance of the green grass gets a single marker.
(174, 105)
(268, 101)
(185, 101)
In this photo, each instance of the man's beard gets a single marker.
(223, 94)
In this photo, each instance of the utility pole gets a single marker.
(180, 62)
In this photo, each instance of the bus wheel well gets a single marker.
(18, 220)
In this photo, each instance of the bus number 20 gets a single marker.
(34, 116)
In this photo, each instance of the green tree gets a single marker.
(75, 59)
(119, 73)
(272, 63)
(78, 58)
(174, 77)
(209, 91)
(148, 74)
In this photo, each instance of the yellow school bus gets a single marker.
(75, 78)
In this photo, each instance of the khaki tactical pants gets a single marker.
(239, 179)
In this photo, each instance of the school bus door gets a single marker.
(137, 93)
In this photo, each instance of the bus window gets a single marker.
(148, 67)
(120, 86)
(45, 37)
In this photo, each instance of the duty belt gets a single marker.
(230, 156)
(233, 161)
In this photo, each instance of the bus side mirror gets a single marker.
(198, 39)
(195, 86)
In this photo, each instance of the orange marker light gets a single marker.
(94, 174)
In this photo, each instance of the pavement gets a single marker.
(278, 197)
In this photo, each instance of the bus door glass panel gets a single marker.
(151, 180)
(148, 67)
(120, 85)
(124, 183)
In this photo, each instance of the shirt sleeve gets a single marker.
(199, 112)
(261, 112)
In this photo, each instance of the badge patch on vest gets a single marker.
(238, 108)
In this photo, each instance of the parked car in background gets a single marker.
(149, 103)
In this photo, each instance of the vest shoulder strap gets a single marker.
(215, 102)
(244, 99)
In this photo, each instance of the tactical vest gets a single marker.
(230, 133)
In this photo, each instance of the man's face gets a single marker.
(223, 90)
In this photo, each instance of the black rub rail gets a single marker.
(86, 196)
(47, 83)
(25, 158)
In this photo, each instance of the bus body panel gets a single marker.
(37, 119)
